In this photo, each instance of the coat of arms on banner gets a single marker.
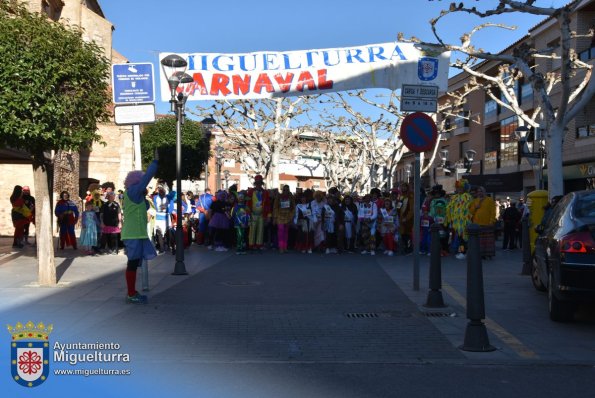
(29, 353)
(427, 68)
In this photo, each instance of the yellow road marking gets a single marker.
(515, 344)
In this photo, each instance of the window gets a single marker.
(447, 124)
(585, 206)
(526, 92)
(509, 149)
(463, 147)
(492, 139)
(462, 120)
(490, 108)
(585, 131)
(589, 53)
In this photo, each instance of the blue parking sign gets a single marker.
(133, 83)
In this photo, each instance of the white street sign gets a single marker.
(419, 105)
(134, 114)
(419, 98)
(419, 91)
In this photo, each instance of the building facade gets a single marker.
(500, 161)
(74, 171)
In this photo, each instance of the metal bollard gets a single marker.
(476, 335)
(145, 275)
(527, 260)
(435, 299)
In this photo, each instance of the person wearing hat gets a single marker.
(458, 216)
(259, 203)
(134, 230)
(30, 203)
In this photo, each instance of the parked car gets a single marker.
(564, 260)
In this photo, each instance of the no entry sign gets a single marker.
(419, 132)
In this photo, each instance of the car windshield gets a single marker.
(585, 205)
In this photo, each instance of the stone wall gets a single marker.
(12, 174)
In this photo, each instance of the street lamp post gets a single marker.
(174, 68)
(207, 123)
(226, 176)
(468, 161)
(535, 156)
(218, 158)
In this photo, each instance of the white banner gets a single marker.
(293, 73)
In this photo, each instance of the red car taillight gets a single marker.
(578, 242)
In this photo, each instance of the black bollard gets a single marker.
(527, 260)
(435, 299)
(476, 334)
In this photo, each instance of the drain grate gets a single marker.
(439, 314)
(240, 283)
(362, 315)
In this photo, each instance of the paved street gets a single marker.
(297, 325)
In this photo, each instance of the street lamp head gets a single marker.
(174, 61)
(470, 154)
(176, 79)
(183, 77)
(173, 67)
(219, 151)
(444, 155)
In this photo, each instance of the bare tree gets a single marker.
(562, 94)
(258, 132)
(358, 148)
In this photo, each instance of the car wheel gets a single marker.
(537, 283)
(560, 311)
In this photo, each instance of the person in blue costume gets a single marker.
(134, 230)
(203, 205)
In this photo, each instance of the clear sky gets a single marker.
(143, 28)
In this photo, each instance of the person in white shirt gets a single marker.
(317, 205)
(367, 214)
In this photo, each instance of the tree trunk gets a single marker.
(67, 173)
(43, 228)
(276, 146)
(555, 177)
